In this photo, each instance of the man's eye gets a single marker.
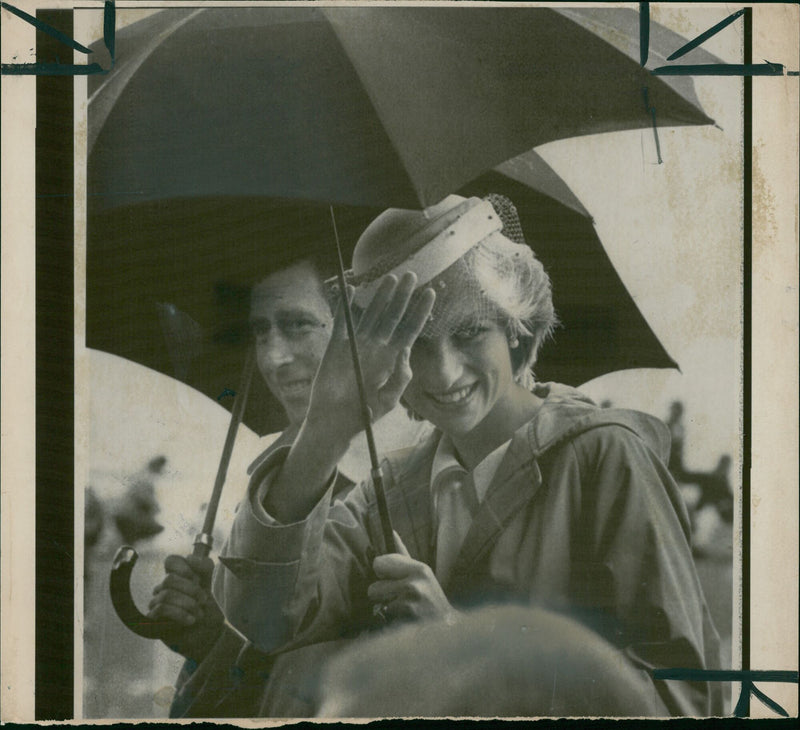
(298, 326)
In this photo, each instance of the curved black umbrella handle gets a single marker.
(122, 599)
(126, 557)
(120, 589)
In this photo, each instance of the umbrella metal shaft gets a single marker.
(204, 541)
(366, 414)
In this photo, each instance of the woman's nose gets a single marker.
(443, 366)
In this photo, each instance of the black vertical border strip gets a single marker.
(747, 333)
(55, 357)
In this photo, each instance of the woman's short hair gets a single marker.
(514, 281)
(473, 254)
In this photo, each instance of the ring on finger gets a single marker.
(381, 611)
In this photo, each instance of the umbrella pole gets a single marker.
(205, 541)
(366, 415)
(126, 556)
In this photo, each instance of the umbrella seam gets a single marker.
(374, 106)
(155, 43)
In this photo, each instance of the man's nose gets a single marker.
(275, 349)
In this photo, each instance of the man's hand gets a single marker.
(184, 600)
(407, 588)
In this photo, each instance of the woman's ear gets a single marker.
(518, 350)
(521, 360)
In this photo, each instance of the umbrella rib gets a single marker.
(124, 76)
(374, 106)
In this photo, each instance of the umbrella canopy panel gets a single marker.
(378, 106)
(485, 84)
(242, 102)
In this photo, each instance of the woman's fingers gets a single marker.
(417, 314)
(400, 545)
(384, 591)
(394, 566)
(375, 309)
(396, 308)
(388, 308)
(401, 376)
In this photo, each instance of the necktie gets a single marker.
(456, 503)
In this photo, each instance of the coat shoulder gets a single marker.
(559, 423)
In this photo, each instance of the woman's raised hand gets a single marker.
(385, 333)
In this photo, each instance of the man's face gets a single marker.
(292, 324)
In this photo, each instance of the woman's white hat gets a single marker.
(425, 242)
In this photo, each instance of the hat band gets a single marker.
(441, 251)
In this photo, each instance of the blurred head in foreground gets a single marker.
(504, 661)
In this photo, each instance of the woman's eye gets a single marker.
(469, 332)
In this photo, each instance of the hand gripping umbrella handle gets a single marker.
(126, 557)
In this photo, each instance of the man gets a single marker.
(291, 322)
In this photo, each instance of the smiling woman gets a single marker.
(526, 492)
(493, 310)
(463, 382)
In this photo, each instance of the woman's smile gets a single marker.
(455, 396)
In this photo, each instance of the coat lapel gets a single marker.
(514, 484)
(407, 476)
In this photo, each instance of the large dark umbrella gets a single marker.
(359, 106)
(383, 106)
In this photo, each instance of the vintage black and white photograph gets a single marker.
(413, 362)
